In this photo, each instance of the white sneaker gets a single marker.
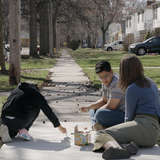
(4, 134)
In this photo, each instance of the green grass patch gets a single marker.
(36, 63)
(30, 72)
(87, 58)
(2, 101)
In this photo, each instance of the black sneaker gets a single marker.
(115, 153)
(101, 150)
(132, 148)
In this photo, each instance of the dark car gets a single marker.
(151, 45)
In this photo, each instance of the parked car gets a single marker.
(117, 45)
(151, 45)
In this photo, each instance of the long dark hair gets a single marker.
(131, 71)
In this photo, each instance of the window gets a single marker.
(142, 17)
(155, 12)
(130, 23)
(154, 40)
(138, 17)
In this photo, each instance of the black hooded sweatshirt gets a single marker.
(25, 99)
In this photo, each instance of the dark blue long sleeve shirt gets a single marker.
(140, 100)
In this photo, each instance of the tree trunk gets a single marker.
(2, 57)
(104, 38)
(44, 29)
(89, 41)
(123, 28)
(54, 32)
(14, 32)
(51, 28)
(33, 28)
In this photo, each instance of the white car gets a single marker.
(117, 45)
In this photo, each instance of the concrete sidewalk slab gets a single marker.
(49, 144)
(67, 70)
(69, 89)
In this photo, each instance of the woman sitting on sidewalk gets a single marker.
(21, 110)
(142, 113)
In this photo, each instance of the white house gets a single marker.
(131, 24)
(115, 32)
(137, 24)
(156, 15)
(140, 22)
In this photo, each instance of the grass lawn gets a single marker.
(30, 72)
(2, 100)
(87, 58)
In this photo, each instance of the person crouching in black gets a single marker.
(21, 110)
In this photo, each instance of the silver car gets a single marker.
(117, 45)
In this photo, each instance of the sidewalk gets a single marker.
(69, 89)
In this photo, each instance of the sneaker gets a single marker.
(115, 153)
(132, 148)
(4, 134)
(23, 134)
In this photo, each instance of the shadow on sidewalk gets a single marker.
(40, 144)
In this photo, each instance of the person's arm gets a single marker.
(52, 117)
(116, 95)
(50, 114)
(157, 97)
(130, 103)
(112, 104)
(95, 105)
(37, 99)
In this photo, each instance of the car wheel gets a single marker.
(141, 51)
(109, 49)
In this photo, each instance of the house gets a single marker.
(139, 23)
(156, 15)
(136, 24)
(115, 32)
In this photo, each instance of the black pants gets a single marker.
(14, 125)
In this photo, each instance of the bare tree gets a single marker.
(5, 20)
(106, 12)
(73, 20)
(33, 28)
(50, 27)
(44, 27)
(14, 36)
(2, 58)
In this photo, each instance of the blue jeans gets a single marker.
(106, 117)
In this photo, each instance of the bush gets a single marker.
(74, 44)
(148, 35)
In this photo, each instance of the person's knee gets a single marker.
(101, 116)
